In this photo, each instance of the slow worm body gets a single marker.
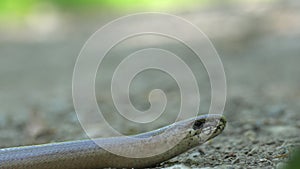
(86, 154)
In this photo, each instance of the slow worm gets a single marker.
(86, 154)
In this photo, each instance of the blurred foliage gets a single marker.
(122, 4)
(18, 9)
(294, 163)
(15, 9)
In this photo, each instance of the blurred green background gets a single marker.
(257, 40)
(18, 10)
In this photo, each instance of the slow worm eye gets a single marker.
(198, 124)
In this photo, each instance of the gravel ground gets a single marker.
(259, 47)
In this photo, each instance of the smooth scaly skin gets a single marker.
(86, 154)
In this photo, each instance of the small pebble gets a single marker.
(237, 160)
(178, 166)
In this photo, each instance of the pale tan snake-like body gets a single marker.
(86, 154)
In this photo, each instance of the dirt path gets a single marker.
(259, 48)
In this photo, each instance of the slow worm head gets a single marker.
(86, 154)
